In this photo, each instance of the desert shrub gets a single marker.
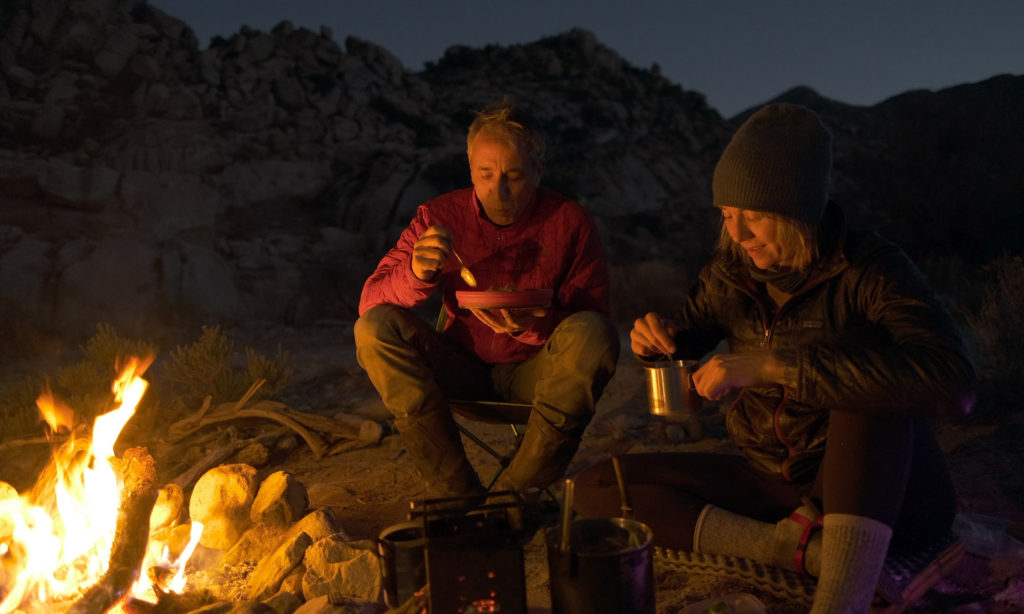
(998, 323)
(210, 367)
(19, 416)
(84, 385)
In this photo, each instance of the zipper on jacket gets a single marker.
(769, 330)
(777, 426)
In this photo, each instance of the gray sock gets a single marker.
(853, 552)
(720, 531)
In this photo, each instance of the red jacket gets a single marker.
(554, 244)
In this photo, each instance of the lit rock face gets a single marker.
(266, 580)
(281, 500)
(342, 570)
(221, 500)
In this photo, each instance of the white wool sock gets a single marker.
(853, 551)
(720, 531)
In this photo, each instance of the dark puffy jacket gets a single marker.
(864, 334)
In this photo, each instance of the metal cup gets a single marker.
(670, 391)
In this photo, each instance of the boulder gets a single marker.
(343, 570)
(221, 500)
(266, 579)
(281, 500)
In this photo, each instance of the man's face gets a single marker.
(504, 177)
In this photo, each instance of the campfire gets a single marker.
(98, 533)
(78, 541)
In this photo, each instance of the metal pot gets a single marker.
(403, 564)
(670, 390)
(608, 568)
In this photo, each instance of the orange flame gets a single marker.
(56, 413)
(56, 540)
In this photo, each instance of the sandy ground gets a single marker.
(371, 488)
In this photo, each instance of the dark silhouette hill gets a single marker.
(146, 180)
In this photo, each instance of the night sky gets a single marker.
(737, 53)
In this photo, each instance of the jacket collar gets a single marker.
(528, 212)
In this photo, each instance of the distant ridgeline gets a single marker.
(146, 181)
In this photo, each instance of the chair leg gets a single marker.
(503, 459)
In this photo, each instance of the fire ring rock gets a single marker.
(221, 500)
(281, 500)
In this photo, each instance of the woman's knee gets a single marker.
(867, 464)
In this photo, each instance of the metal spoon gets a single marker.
(464, 271)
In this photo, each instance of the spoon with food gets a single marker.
(464, 271)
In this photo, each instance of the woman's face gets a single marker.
(756, 233)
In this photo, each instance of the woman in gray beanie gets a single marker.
(839, 358)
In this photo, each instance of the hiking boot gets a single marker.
(435, 448)
(542, 457)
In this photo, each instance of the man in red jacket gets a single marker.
(558, 358)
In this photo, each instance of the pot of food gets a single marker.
(603, 566)
(670, 391)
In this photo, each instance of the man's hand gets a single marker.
(653, 335)
(724, 373)
(509, 321)
(430, 251)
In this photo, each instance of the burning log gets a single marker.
(130, 539)
(33, 441)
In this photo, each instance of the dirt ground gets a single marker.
(371, 488)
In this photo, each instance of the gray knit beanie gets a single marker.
(777, 162)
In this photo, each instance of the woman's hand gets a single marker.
(724, 373)
(509, 321)
(653, 335)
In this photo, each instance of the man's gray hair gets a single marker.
(504, 120)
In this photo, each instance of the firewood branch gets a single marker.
(227, 413)
(215, 456)
(306, 425)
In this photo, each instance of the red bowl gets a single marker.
(498, 299)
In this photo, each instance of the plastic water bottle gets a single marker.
(733, 603)
(986, 536)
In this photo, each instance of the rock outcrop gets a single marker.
(152, 184)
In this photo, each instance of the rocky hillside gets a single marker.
(154, 184)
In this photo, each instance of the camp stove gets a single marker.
(474, 561)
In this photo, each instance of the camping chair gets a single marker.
(513, 414)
